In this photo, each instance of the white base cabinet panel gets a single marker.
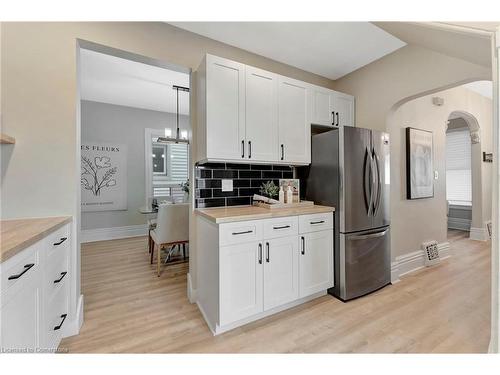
(251, 269)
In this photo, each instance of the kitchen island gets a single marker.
(254, 262)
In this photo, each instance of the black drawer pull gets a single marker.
(60, 242)
(317, 222)
(60, 279)
(282, 227)
(303, 251)
(27, 267)
(246, 232)
(63, 316)
(267, 252)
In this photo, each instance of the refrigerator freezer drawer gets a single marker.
(365, 261)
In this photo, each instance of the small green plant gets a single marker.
(269, 189)
(185, 186)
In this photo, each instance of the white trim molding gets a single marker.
(104, 234)
(414, 261)
(191, 293)
(479, 234)
(73, 328)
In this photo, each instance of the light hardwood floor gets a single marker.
(129, 309)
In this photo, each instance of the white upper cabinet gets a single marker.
(343, 106)
(294, 123)
(322, 104)
(331, 108)
(225, 108)
(261, 135)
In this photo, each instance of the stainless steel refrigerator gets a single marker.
(350, 170)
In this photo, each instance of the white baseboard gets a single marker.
(192, 294)
(75, 325)
(104, 234)
(414, 261)
(478, 234)
(459, 223)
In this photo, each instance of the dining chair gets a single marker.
(172, 229)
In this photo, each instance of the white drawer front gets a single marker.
(56, 274)
(281, 227)
(55, 317)
(58, 241)
(20, 269)
(315, 222)
(240, 232)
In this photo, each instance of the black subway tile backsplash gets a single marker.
(247, 180)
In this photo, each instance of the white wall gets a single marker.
(416, 221)
(111, 123)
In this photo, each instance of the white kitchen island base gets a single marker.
(250, 269)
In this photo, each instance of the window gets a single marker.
(458, 167)
(160, 159)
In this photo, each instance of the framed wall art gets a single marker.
(419, 164)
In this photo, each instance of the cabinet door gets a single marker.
(294, 122)
(261, 115)
(343, 106)
(225, 108)
(322, 104)
(240, 280)
(20, 319)
(281, 271)
(315, 262)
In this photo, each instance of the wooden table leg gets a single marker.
(158, 256)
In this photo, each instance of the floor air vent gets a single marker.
(431, 253)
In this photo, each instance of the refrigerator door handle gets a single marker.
(379, 184)
(368, 162)
(368, 236)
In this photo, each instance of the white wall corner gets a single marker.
(104, 234)
(478, 234)
(191, 293)
(395, 272)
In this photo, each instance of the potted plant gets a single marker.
(185, 189)
(269, 189)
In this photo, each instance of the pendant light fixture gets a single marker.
(177, 138)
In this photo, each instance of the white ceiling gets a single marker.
(329, 49)
(109, 79)
(484, 88)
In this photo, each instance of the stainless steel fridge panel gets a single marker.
(381, 151)
(365, 262)
(355, 176)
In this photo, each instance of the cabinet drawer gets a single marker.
(57, 242)
(56, 274)
(240, 232)
(315, 222)
(20, 269)
(281, 227)
(55, 317)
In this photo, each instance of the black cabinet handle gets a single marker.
(245, 232)
(260, 253)
(242, 148)
(267, 252)
(63, 316)
(333, 118)
(282, 152)
(282, 227)
(317, 222)
(60, 242)
(60, 279)
(303, 251)
(27, 267)
(249, 149)
(337, 119)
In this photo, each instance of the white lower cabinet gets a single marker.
(316, 262)
(281, 271)
(34, 307)
(240, 281)
(263, 266)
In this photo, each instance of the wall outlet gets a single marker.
(227, 185)
(436, 175)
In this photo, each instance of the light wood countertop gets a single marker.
(18, 234)
(241, 213)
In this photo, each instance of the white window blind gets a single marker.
(167, 184)
(458, 167)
